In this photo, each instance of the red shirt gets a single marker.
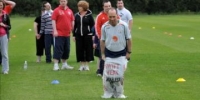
(63, 18)
(2, 29)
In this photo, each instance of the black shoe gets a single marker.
(48, 62)
(98, 73)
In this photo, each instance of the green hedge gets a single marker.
(32, 7)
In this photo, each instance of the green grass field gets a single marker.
(162, 53)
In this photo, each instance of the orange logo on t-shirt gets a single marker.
(115, 38)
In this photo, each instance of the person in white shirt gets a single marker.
(124, 13)
(115, 49)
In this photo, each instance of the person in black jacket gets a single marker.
(83, 35)
(4, 30)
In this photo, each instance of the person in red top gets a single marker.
(63, 23)
(101, 18)
(4, 29)
(7, 9)
(9, 6)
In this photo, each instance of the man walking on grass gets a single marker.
(115, 49)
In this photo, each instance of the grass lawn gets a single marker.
(162, 53)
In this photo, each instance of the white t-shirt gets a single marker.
(115, 36)
(125, 15)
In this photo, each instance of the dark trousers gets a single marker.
(84, 48)
(40, 46)
(101, 64)
(48, 40)
(61, 48)
(0, 58)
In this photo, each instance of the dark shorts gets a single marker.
(61, 47)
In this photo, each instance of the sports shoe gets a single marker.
(5, 72)
(86, 68)
(81, 68)
(107, 95)
(121, 96)
(67, 67)
(38, 59)
(56, 68)
(98, 73)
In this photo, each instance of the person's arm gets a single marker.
(42, 27)
(92, 25)
(54, 17)
(102, 43)
(98, 26)
(72, 25)
(11, 3)
(35, 28)
(130, 18)
(102, 47)
(55, 33)
(130, 24)
(74, 29)
(128, 41)
(129, 45)
(72, 19)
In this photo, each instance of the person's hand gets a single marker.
(55, 33)
(103, 57)
(74, 39)
(128, 55)
(38, 36)
(94, 45)
(3, 25)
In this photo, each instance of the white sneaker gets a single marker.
(86, 68)
(107, 95)
(56, 68)
(81, 68)
(67, 67)
(121, 96)
(99, 75)
(5, 72)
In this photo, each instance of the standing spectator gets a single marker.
(83, 35)
(124, 13)
(101, 18)
(63, 23)
(96, 46)
(39, 39)
(47, 30)
(4, 28)
(8, 9)
(115, 38)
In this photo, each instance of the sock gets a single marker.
(65, 63)
(55, 64)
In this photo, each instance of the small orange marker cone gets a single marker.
(179, 35)
(14, 36)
